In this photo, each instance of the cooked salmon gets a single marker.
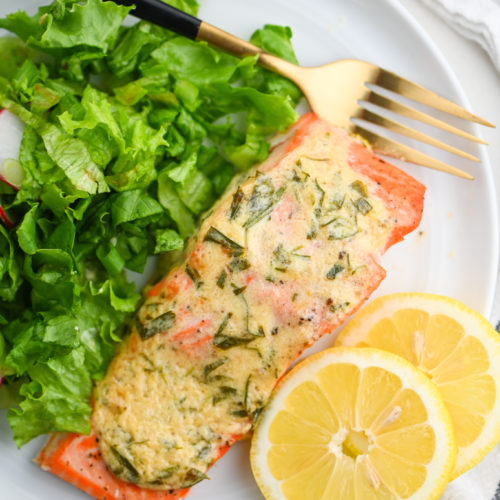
(285, 256)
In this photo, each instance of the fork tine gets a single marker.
(397, 150)
(394, 126)
(407, 88)
(409, 112)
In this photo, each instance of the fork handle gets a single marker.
(157, 12)
(164, 15)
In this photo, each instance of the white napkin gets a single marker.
(475, 19)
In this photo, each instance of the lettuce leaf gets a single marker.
(91, 26)
(131, 134)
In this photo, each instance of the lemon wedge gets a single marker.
(455, 346)
(352, 423)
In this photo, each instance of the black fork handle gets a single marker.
(164, 15)
(157, 12)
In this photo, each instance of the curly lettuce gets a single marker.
(131, 133)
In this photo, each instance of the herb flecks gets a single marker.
(317, 213)
(208, 369)
(238, 264)
(226, 341)
(221, 279)
(227, 390)
(294, 253)
(362, 205)
(262, 200)
(256, 414)
(216, 236)
(126, 465)
(159, 324)
(360, 188)
(282, 258)
(194, 275)
(337, 202)
(192, 477)
(223, 341)
(235, 209)
(334, 308)
(335, 269)
(247, 388)
(239, 413)
(316, 159)
(224, 323)
(341, 228)
(165, 474)
(321, 193)
(237, 290)
(224, 393)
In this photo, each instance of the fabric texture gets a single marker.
(478, 20)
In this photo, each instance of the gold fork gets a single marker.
(339, 91)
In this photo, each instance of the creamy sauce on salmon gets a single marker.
(283, 258)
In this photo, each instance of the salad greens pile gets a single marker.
(131, 133)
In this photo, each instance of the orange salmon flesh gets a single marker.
(284, 257)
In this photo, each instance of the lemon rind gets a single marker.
(440, 466)
(472, 322)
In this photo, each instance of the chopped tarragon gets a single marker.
(238, 289)
(360, 187)
(226, 341)
(194, 275)
(340, 228)
(223, 341)
(362, 205)
(159, 324)
(262, 200)
(238, 197)
(281, 258)
(192, 477)
(221, 279)
(208, 369)
(126, 465)
(335, 269)
(165, 474)
(216, 236)
(317, 212)
(238, 264)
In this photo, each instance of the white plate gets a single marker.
(454, 251)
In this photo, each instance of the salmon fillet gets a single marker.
(285, 256)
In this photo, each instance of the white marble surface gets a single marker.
(474, 70)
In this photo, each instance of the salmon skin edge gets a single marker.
(395, 187)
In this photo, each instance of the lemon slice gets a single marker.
(455, 346)
(352, 424)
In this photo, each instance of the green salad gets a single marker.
(131, 133)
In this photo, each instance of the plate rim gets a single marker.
(454, 82)
(485, 163)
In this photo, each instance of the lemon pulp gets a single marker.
(455, 347)
(362, 424)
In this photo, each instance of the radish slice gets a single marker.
(11, 133)
(5, 218)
